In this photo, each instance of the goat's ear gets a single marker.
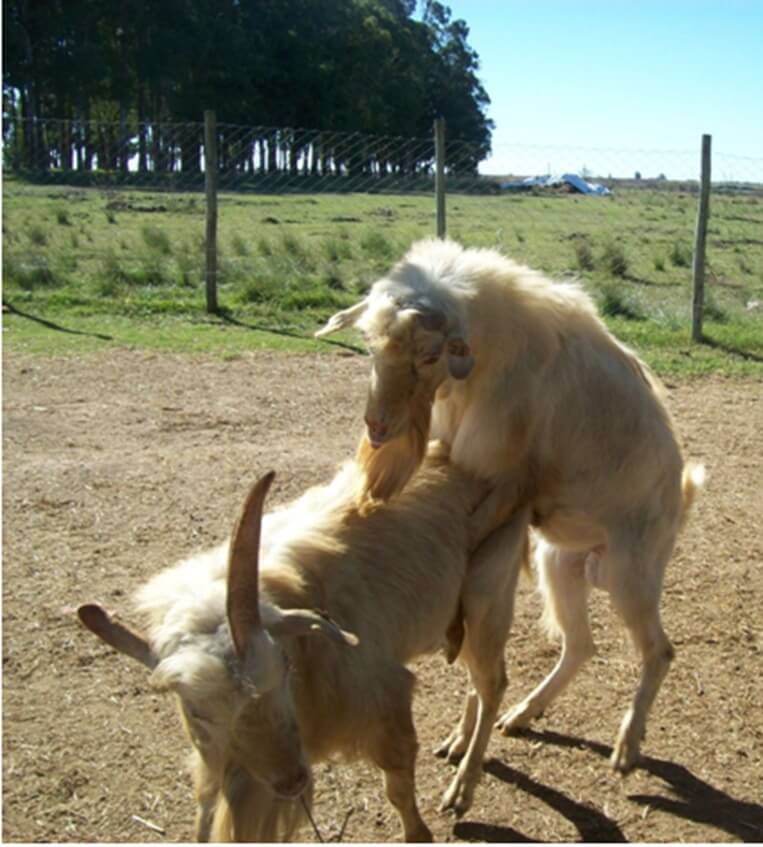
(293, 622)
(242, 600)
(343, 319)
(460, 359)
(116, 635)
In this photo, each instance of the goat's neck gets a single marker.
(494, 333)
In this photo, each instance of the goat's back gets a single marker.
(553, 394)
(392, 574)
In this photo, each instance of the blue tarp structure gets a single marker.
(573, 180)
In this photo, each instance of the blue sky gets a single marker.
(642, 75)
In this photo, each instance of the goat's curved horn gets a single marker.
(242, 603)
(116, 635)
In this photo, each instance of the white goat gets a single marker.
(531, 391)
(262, 703)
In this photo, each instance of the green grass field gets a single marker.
(84, 268)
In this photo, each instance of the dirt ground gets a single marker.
(117, 464)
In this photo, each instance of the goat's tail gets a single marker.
(692, 481)
(249, 812)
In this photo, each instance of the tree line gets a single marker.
(117, 76)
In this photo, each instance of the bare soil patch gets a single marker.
(118, 464)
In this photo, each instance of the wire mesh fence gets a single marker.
(115, 212)
(170, 156)
(652, 168)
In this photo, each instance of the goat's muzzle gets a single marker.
(377, 432)
(293, 785)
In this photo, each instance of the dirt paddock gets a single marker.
(117, 464)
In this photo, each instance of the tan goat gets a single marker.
(521, 378)
(262, 702)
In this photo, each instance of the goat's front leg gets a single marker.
(488, 602)
(401, 792)
(393, 747)
(495, 510)
(490, 518)
(456, 744)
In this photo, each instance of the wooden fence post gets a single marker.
(698, 264)
(210, 173)
(439, 180)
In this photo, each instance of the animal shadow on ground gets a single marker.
(640, 280)
(227, 317)
(592, 825)
(732, 351)
(692, 798)
(11, 309)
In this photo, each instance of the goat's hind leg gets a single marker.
(563, 584)
(488, 604)
(635, 588)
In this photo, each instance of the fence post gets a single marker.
(698, 264)
(210, 173)
(439, 180)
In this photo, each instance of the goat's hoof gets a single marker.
(624, 758)
(514, 721)
(451, 750)
(421, 835)
(458, 798)
(626, 755)
(442, 750)
(455, 753)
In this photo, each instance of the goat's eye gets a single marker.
(419, 367)
(431, 359)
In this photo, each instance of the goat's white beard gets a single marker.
(388, 468)
(261, 817)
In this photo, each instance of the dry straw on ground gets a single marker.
(117, 464)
